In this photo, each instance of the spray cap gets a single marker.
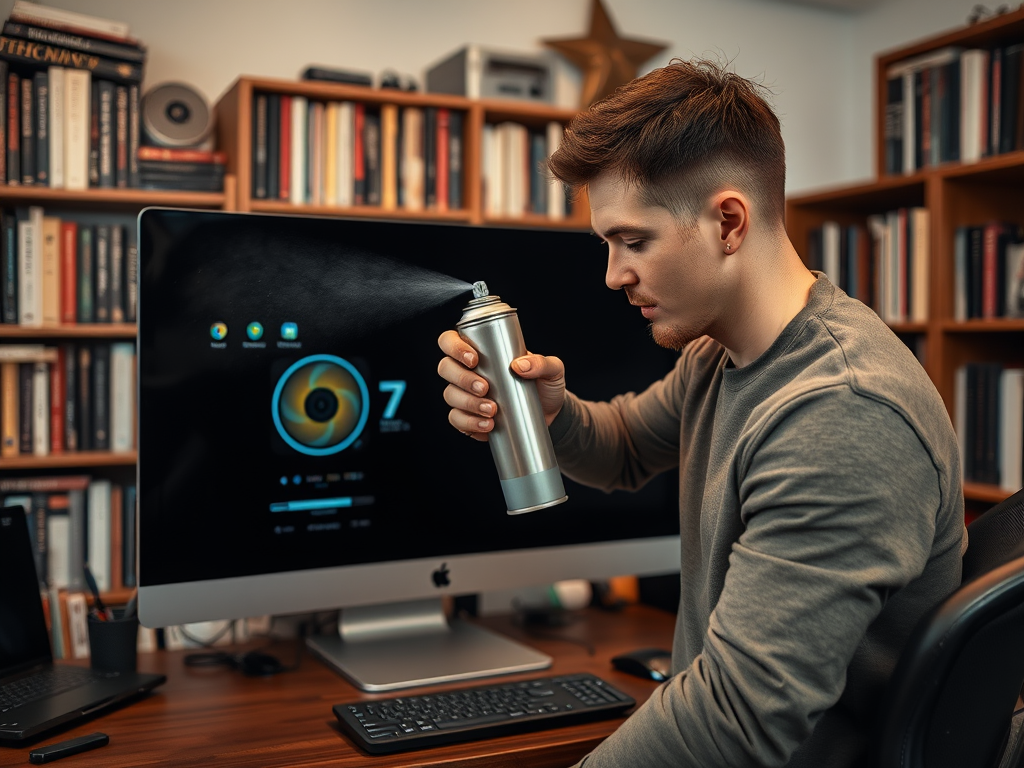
(479, 289)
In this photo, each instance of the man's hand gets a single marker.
(472, 412)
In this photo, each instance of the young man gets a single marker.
(821, 510)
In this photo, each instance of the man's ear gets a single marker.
(733, 212)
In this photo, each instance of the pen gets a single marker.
(102, 611)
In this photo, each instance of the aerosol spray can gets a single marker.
(520, 443)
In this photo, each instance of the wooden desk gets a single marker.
(218, 718)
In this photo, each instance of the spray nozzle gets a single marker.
(480, 289)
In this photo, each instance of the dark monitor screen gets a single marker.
(291, 414)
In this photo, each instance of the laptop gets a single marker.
(36, 694)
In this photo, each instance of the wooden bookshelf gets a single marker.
(235, 136)
(956, 194)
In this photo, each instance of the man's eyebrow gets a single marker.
(627, 228)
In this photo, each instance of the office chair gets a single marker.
(950, 700)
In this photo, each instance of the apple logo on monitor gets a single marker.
(440, 576)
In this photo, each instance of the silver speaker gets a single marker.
(175, 115)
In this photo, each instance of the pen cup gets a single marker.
(113, 645)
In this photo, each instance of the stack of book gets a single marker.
(989, 271)
(74, 396)
(346, 153)
(883, 263)
(63, 268)
(990, 423)
(69, 100)
(200, 170)
(954, 104)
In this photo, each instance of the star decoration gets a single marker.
(605, 59)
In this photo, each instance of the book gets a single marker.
(83, 410)
(78, 625)
(134, 134)
(285, 149)
(105, 92)
(68, 281)
(33, 54)
(98, 532)
(430, 157)
(95, 139)
(102, 296)
(1011, 434)
(9, 266)
(41, 119)
(9, 409)
(101, 396)
(76, 42)
(28, 134)
(121, 136)
(26, 408)
(345, 154)
(413, 168)
(297, 150)
(116, 536)
(973, 107)
(50, 271)
(122, 396)
(1010, 99)
(56, 128)
(30, 284)
(77, 128)
(358, 154)
(372, 157)
(85, 269)
(273, 145)
(128, 538)
(117, 269)
(58, 18)
(131, 274)
(331, 110)
(259, 147)
(314, 153)
(456, 143)
(40, 409)
(13, 100)
(442, 159)
(3, 120)
(57, 400)
(67, 356)
(58, 535)
(389, 156)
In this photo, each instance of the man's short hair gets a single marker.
(681, 133)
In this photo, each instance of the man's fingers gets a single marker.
(457, 348)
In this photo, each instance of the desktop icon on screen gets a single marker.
(254, 331)
(218, 331)
(289, 331)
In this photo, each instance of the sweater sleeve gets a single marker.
(838, 498)
(622, 443)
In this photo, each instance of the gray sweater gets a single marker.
(821, 514)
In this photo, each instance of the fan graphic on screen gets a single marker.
(320, 405)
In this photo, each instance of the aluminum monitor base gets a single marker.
(404, 654)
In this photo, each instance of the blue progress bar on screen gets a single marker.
(304, 505)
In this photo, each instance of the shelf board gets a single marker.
(988, 493)
(70, 460)
(993, 325)
(361, 211)
(317, 89)
(82, 330)
(114, 198)
(867, 197)
(538, 220)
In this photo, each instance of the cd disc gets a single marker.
(175, 115)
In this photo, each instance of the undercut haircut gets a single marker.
(680, 134)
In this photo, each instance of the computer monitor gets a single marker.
(295, 453)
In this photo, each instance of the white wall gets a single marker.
(817, 61)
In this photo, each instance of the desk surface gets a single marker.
(218, 717)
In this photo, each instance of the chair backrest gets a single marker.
(951, 697)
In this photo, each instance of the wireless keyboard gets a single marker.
(483, 712)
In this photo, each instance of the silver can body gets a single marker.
(520, 442)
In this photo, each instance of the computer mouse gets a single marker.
(257, 664)
(648, 663)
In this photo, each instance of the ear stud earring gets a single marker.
(728, 247)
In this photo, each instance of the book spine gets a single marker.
(134, 135)
(26, 389)
(13, 128)
(98, 532)
(10, 444)
(85, 269)
(68, 272)
(82, 43)
(101, 396)
(456, 143)
(58, 533)
(443, 160)
(259, 145)
(430, 157)
(131, 275)
(76, 543)
(371, 149)
(273, 145)
(40, 409)
(285, 149)
(77, 128)
(9, 256)
(358, 154)
(68, 356)
(59, 18)
(29, 257)
(28, 131)
(41, 89)
(389, 151)
(102, 267)
(57, 400)
(50, 270)
(56, 127)
(122, 396)
(94, 133)
(117, 274)
(345, 154)
(41, 54)
(300, 109)
(121, 136)
(3, 120)
(107, 150)
(37, 528)
(128, 552)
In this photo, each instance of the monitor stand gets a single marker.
(400, 645)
